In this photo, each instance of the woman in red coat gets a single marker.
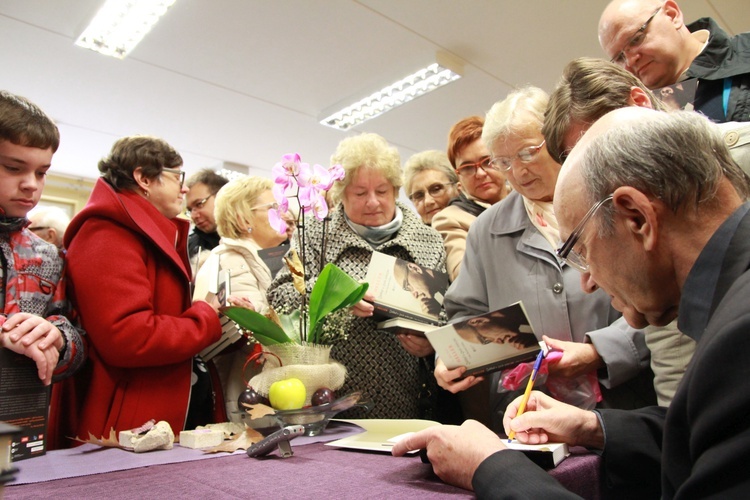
(129, 277)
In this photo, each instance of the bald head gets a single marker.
(648, 38)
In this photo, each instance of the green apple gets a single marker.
(288, 394)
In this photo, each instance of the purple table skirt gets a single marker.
(315, 470)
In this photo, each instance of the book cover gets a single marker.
(273, 257)
(230, 333)
(24, 402)
(381, 434)
(680, 95)
(406, 290)
(488, 342)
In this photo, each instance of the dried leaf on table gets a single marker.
(258, 411)
(108, 442)
(241, 442)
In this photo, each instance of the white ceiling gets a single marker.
(245, 81)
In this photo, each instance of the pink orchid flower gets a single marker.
(276, 221)
(287, 169)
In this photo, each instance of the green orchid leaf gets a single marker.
(333, 290)
(290, 324)
(264, 330)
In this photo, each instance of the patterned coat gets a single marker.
(34, 283)
(377, 365)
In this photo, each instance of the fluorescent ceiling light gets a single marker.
(434, 76)
(121, 24)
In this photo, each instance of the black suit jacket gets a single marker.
(700, 446)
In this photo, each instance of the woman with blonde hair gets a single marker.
(241, 213)
(385, 367)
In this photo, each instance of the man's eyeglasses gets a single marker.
(435, 190)
(274, 206)
(566, 252)
(197, 205)
(180, 173)
(470, 169)
(38, 228)
(525, 155)
(635, 41)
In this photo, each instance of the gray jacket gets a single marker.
(507, 259)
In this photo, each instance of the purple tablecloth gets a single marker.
(315, 470)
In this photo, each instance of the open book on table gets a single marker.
(407, 294)
(381, 434)
(486, 343)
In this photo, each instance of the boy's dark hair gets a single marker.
(206, 176)
(23, 123)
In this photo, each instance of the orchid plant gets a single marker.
(333, 290)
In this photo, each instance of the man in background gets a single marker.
(650, 39)
(49, 223)
(202, 189)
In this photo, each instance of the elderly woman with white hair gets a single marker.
(510, 256)
(241, 214)
(430, 183)
(389, 369)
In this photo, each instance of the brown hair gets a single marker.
(152, 154)
(24, 123)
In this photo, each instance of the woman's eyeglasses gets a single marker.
(470, 169)
(180, 174)
(436, 190)
(270, 206)
(526, 155)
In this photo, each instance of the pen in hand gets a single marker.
(527, 393)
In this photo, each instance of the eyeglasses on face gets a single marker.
(435, 190)
(567, 252)
(525, 155)
(197, 205)
(635, 41)
(38, 228)
(269, 206)
(180, 173)
(470, 169)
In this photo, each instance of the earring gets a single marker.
(249, 230)
(145, 193)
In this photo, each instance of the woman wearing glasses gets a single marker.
(242, 221)
(129, 276)
(430, 183)
(482, 185)
(510, 256)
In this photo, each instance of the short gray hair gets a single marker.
(427, 160)
(677, 157)
(502, 119)
(53, 217)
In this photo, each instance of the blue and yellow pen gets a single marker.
(527, 393)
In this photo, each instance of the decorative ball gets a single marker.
(322, 396)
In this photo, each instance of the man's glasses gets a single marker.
(38, 228)
(470, 169)
(274, 206)
(635, 41)
(436, 190)
(566, 252)
(526, 155)
(197, 205)
(180, 173)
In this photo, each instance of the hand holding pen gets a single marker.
(527, 392)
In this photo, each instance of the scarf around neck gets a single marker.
(377, 235)
(543, 218)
